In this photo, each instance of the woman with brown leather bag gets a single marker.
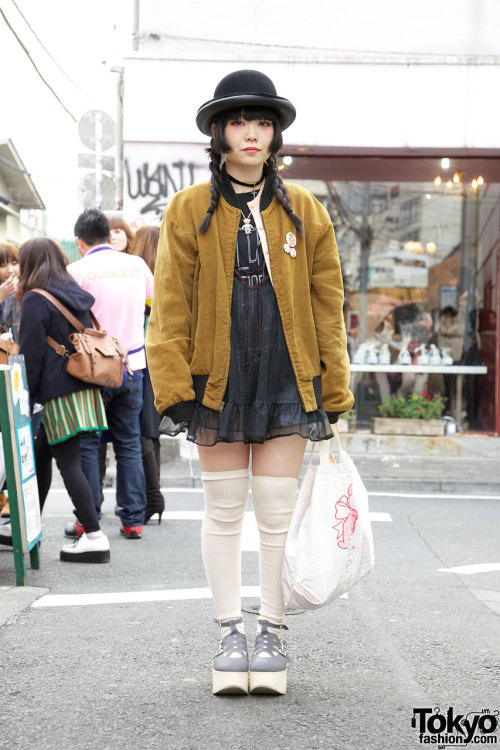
(70, 406)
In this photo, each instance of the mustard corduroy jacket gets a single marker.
(188, 336)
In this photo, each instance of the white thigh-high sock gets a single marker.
(226, 500)
(273, 502)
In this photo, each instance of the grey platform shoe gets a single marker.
(268, 666)
(230, 672)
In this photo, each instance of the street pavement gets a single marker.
(119, 655)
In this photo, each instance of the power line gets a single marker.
(42, 45)
(424, 56)
(14, 166)
(27, 53)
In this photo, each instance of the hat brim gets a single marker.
(285, 111)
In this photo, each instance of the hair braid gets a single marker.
(279, 191)
(214, 167)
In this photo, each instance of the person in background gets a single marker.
(10, 313)
(247, 349)
(9, 321)
(71, 408)
(121, 237)
(145, 246)
(121, 285)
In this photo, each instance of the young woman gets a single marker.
(9, 279)
(247, 348)
(120, 235)
(70, 407)
(145, 246)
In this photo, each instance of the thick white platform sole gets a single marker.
(268, 683)
(229, 683)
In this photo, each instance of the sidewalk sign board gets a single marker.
(20, 467)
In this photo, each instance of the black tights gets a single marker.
(67, 456)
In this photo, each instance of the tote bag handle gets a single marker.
(325, 446)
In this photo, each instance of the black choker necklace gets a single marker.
(246, 184)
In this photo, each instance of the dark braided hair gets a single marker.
(279, 190)
(219, 146)
(215, 160)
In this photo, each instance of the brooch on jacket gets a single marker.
(289, 246)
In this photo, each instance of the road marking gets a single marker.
(133, 597)
(467, 570)
(127, 597)
(435, 496)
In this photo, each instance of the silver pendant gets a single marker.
(247, 227)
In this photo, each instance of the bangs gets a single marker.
(7, 256)
(251, 113)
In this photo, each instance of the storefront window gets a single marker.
(419, 262)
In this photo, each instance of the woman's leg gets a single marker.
(225, 479)
(155, 500)
(67, 456)
(275, 467)
(43, 462)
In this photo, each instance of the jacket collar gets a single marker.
(227, 190)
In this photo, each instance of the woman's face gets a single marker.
(118, 239)
(250, 142)
(8, 269)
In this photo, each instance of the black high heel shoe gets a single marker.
(151, 512)
(155, 502)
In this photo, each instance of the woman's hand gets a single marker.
(8, 287)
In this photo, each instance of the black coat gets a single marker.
(46, 370)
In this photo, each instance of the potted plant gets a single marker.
(413, 415)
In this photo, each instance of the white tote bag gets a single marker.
(329, 546)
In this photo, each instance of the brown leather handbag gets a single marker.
(7, 347)
(99, 359)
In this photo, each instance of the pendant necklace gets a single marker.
(247, 227)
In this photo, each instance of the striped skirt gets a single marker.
(66, 416)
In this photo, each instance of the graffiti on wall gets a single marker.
(154, 172)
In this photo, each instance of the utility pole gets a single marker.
(119, 138)
(135, 27)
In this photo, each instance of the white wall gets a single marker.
(337, 104)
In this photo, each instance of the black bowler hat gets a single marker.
(245, 88)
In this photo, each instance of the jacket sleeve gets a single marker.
(327, 299)
(32, 335)
(168, 338)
